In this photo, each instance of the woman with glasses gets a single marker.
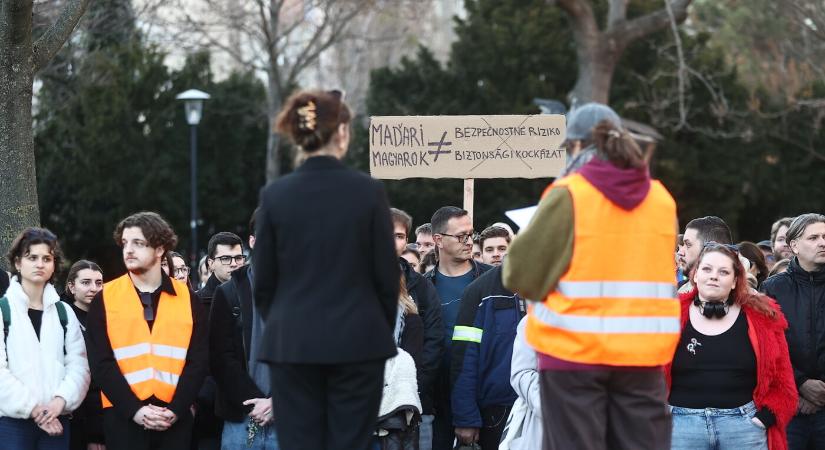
(731, 381)
(325, 276)
(44, 374)
(84, 281)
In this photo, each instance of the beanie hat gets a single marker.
(582, 120)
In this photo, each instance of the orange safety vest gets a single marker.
(616, 304)
(151, 361)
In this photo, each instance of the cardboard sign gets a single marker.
(467, 146)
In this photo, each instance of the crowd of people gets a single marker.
(350, 329)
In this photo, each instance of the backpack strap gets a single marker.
(6, 310)
(64, 321)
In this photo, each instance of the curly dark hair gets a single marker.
(21, 246)
(155, 229)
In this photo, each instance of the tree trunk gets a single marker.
(18, 183)
(273, 142)
(595, 75)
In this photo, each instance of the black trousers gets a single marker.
(125, 434)
(605, 410)
(493, 419)
(326, 407)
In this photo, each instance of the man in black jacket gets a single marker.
(224, 256)
(240, 399)
(801, 293)
(429, 308)
(452, 232)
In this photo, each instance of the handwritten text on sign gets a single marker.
(467, 146)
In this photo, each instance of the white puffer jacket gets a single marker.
(400, 385)
(33, 372)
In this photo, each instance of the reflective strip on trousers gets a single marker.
(147, 374)
(469, 334)
(616, 289)
(607, 325)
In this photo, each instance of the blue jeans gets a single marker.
(807, 432)
(717, 429)
(24, 434)
(425, 432)
(235, 437)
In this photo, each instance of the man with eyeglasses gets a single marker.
(147, 343)
(224, 256)
(455, 270)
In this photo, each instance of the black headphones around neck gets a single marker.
(713, 309)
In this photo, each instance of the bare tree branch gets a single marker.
(629, 31)
(617, 13)
(55, 36)
(582, 14)
(682, 65)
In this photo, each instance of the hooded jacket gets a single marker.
(32, 371)
(801, 295)
(539, 256)
(774, 377)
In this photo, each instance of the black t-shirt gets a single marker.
(714, 371)
(36, 316)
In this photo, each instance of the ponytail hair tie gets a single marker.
(614, 134)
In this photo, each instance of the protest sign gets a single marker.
(467, 147)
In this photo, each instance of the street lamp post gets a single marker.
(193, 106)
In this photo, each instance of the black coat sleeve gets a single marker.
(228, 367)
(103, 364)
(430, 310)
(197, 361)
(264, 259)
(770, 287)
(386, 271)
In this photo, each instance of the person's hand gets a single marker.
(50, 411)
(52, 428)
(150, 418)
(167, 415)
(813, 391)
(95, 446)
(806, 407)
(467, 435)
(261, 410)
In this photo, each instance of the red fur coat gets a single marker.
(775, 386)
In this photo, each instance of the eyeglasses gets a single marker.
(461, 238)
(227, 260)
(181, 271)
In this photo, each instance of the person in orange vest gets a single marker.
(148, 347)
(598, 259)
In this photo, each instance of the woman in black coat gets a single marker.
(325, 277)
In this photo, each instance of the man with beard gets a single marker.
(779, 242)
(698, 232)
(147, 342)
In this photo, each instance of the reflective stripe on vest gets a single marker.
(616, 303)
(150, 361)
(617, 289)
(469, 334)
(611, 325)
